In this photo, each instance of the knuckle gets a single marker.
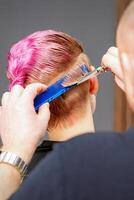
(28, 86)
(31, 86)
(104, 59)
(111, 49)
(4, 97)
(16, 87)
(35, 88)
(5, 94)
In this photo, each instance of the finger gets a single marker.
(120, 83)
(44, 113)
(5, 98)
(113, 63)
(128, 70)
(32, 90)
(113, 51)
(16, 91)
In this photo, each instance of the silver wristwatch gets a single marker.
(15, 161)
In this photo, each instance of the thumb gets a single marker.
(44, 113)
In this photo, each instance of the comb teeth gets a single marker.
(75, 75)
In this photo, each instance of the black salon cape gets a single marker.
(96, 166)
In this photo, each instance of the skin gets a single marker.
(16, 127)
(83, 124)
(21, 131)
(17, 112)
(121, 60)
(122, 66)
(82, 119)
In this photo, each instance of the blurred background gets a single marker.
(91, 22)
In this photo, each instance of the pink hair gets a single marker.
(41, 50)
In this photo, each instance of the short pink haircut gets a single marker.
(42, 57)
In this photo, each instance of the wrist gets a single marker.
(14, 172)
(15, 161)
(26, 153)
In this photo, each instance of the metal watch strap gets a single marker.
(14, 160)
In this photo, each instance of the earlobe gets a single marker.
(93, 84)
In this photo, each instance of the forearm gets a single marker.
(10, 175)
(10, 180)
(21, 130)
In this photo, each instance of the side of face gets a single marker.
(125, 31)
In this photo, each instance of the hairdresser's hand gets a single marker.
(21, 128)
(111, 61)
(124, 71)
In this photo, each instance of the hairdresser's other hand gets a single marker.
(122, 65)
(21, 128)
(111, 61)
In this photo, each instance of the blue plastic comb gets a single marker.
(63, 85)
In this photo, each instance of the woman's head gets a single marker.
(44, 57)
(125, 31)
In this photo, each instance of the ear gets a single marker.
(93, 83)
